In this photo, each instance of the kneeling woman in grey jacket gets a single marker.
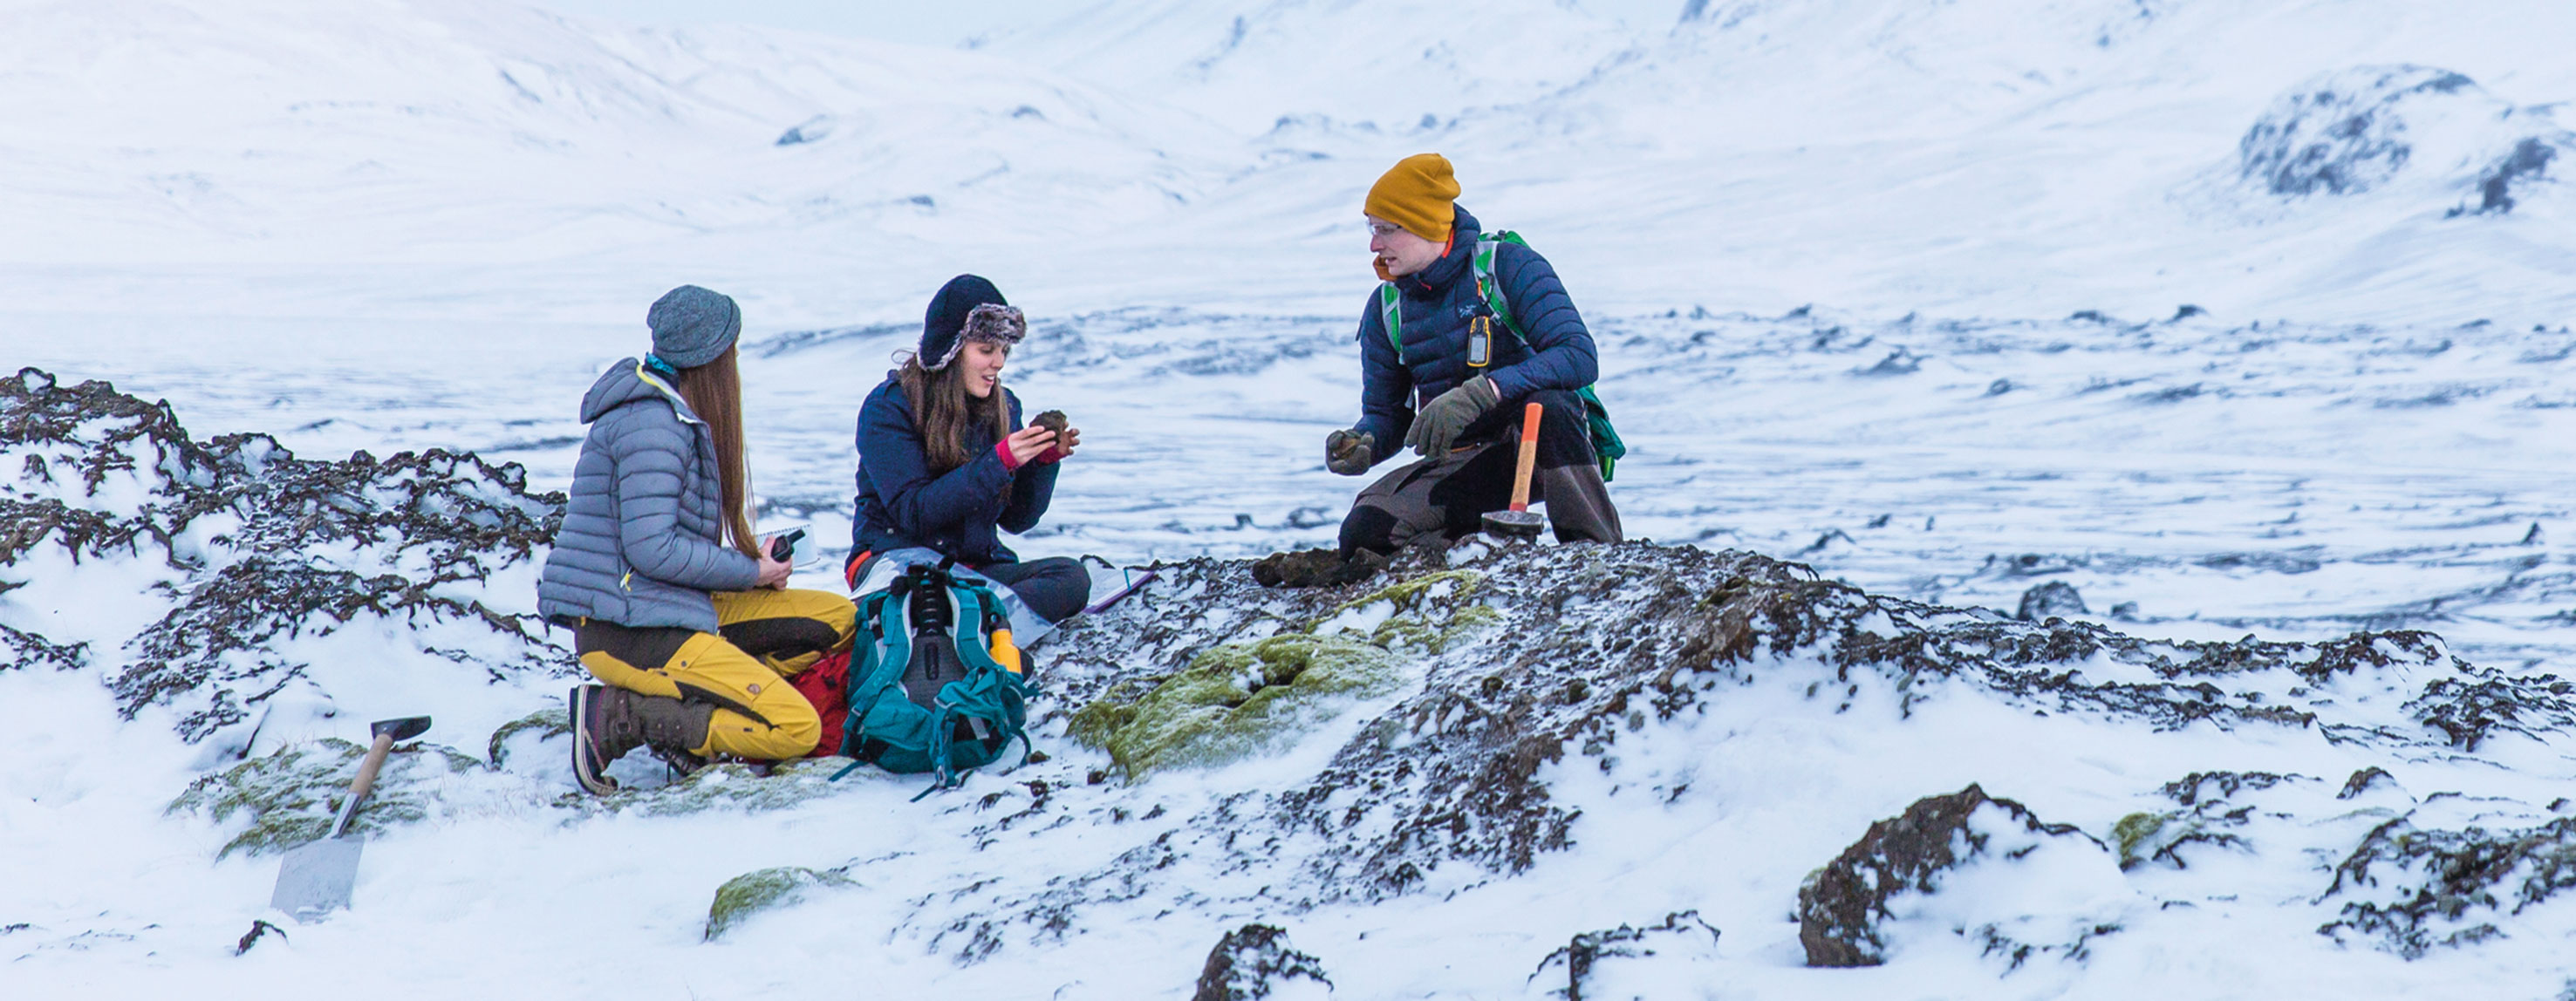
(671, 600)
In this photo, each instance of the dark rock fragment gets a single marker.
(2056, 599)
(1841, 906)
(1052, 420)
(1587, 950)
(1252, 962)
(1316, 568)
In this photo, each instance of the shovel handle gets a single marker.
(365, 782)
(1529, 456)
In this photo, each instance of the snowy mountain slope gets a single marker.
(1998, 157)
(303, 131)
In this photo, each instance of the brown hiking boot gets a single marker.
(609, 722)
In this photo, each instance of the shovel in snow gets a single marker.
(314, 879)
(1519, 523)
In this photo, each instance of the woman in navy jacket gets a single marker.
(946, 464)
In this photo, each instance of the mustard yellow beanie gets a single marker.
(1416, 195)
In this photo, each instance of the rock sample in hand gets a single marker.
(1052, 420)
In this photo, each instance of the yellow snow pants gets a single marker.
(763, 637)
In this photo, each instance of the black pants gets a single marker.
(1449, 495)
(1055, 587)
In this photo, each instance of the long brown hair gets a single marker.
(714, 393)
(942, 410)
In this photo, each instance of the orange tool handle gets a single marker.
(1529, 456)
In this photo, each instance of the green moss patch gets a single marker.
(293, 794)
(2135, 836)
(768, 889)
(730, 785)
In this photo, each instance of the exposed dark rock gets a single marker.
(1252, 962)
(1841, 906)
(2364, 780)
(258, 929)
(2424, 889)
(1316, 568)
(258, 544)
(2529, 161)
(2340, 133)
(2481, 701)
(28, 649)
(2054, 599)
(1587, 950)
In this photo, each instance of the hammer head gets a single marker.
(1514, 524)
(402, 729)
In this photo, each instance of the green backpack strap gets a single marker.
(1390, 307)
(1605, 439)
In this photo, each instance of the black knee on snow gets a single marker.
(1054, 588)
(1368, 528)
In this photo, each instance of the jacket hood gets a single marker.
(1463, 233)
(626, 382)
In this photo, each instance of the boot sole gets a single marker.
(586, 766)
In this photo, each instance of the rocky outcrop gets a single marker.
(2411, 889)
(1257, 961)
(250, 550)
(1845, 909)
(2360, 129)
(1581, 964)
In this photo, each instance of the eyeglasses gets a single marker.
(1383, 229)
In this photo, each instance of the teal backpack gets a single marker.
(1605, 439)
(926, 694)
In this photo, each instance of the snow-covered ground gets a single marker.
(2241, 319)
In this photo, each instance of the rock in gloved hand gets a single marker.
(1317, 568)
(1437, 426)
(1350, 453)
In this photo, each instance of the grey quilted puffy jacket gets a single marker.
(642, 541)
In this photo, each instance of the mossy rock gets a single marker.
(294, 793)
(2135, 832)
(549, 724)
(1232, 701)
(754, 892)
(1429, 613)
(729, 785)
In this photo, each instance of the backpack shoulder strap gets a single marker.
(1390, 308)
(1490, 288)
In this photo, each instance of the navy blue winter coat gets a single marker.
(642, 539)
(1437, 303)
(900, 504)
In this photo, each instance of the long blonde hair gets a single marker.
(714, 392)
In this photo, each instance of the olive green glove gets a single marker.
(1437, 426)
(1350, 453)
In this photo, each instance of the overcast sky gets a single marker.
(941, 22)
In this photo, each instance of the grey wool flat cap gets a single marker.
(691, 325)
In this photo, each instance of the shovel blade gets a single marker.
(315, 878)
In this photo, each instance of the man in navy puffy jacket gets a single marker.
(1457, 402)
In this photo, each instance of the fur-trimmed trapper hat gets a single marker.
(968, 308)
